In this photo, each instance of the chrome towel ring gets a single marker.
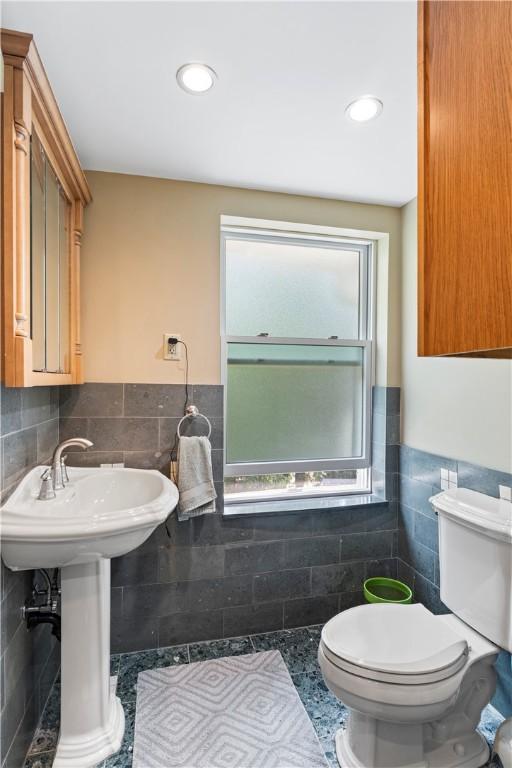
(191, 412)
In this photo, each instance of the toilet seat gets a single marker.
(395, 679)
(399, 644)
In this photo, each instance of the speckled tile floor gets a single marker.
(298, 648)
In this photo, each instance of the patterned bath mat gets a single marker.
(237, 712)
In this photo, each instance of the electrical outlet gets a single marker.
(449, 479)
(453, 479)
(172, 351)
(505, 493)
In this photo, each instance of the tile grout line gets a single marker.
(26, 427)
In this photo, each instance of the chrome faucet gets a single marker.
(58, 468)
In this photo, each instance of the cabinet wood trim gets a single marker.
(77, 214)
(9, 265)
(19, 51)
(28, 103)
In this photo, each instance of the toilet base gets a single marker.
(347, 758)
(470, 752)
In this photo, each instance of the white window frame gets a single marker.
(366, 248)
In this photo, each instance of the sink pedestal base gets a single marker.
(92, 718)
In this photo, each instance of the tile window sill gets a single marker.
(303, 505)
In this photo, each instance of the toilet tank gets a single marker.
(475, 561)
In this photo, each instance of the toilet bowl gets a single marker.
(414, 683)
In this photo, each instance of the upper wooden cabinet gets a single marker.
(465, 178)
(44, 192)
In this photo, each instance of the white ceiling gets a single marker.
(275, 118)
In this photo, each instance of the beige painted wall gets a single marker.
(457, 408)
(150, 264)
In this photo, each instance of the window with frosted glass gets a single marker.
(293, 402)
(295, 290)
(297, 360)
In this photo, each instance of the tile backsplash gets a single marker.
(136, 423)
(29, 428)
(385, 441)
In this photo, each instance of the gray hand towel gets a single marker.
(195, 478)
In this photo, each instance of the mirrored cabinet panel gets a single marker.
(44, 192)
(50, 220)
(64, 278)
(38, 253)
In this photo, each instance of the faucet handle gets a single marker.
(64, 469)
(46, 491)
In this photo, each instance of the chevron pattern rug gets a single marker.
(236, 712)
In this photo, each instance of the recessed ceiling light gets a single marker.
(365, 108)
(195, 78)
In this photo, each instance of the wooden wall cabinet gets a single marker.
(465, 178)
(44, 192)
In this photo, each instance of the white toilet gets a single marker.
(415, 684)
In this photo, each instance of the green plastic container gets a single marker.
(383, 590)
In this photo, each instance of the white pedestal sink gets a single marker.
(102, 513)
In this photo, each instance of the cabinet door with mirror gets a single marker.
(44, 192)
(50, 249)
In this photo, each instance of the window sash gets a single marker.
(366, 331)
(314, 241)
(309, 465)
(363, 486)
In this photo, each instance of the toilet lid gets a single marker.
(396, 639)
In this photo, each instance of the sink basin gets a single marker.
(102, 513)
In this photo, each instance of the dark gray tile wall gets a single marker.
(29, 661)
(216, 576)
(220, 577)
(385, 442)
(418, 548)
(29, 428)
(136, 423)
